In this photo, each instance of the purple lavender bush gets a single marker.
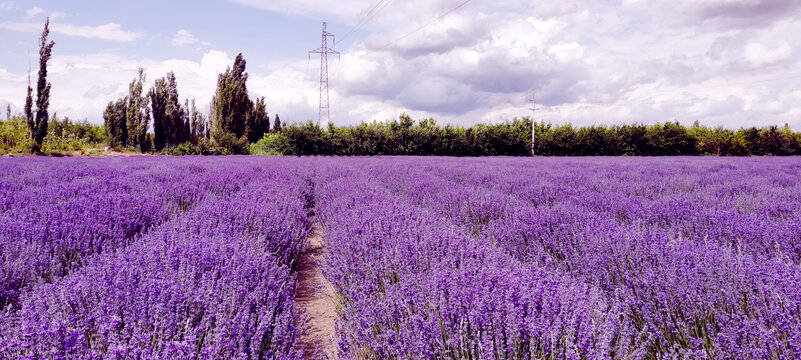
(431, 258)
(412, 285)
(55, 213)
(702, 254)
(215, 282)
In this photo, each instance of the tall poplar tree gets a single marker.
(114, 119)
(168, 115)
(231, 104)
(38, 126)
(29, 105)
(175, 113)
(258, 122)
(198, 123)
(186, 128)
(138, 116)
(158, 104)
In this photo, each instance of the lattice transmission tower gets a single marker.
(533, 108)
(324, 51)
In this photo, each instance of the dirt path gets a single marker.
(316, 295)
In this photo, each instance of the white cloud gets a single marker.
(7, 6)
(341, 9)
(591, 63)
(185, 37)
(82, 85)
(727, 62)
(761, 55)
(109, 31)
(32, 12)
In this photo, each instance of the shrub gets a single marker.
(270, 144)
(69, 142)
(230, 144)
(14, 135)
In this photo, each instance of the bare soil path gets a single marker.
(316, 295)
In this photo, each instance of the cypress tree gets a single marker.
(38, 126)
(8, 112)
(277, 127)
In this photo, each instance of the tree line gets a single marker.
(238, 124)
(235, 120)
(669, 138)
(513, 138)
(403, 136)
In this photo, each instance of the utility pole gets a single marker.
(324, 50)
(533, 109)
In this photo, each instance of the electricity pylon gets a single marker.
(324, 50)
(533, 109)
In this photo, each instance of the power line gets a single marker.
(366, 18)
(438, 18)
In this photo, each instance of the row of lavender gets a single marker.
(56, 213)
(703, 270)
(696, 258)
(413, 285)
(212, 280)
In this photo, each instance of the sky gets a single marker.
(731, 63)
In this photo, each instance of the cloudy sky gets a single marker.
(720, 62)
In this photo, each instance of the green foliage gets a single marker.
(138, 115)
(170, 120)
(115, 122)
(69, 142)
(62, 136)
(230, 104)
(258, 123)
(232, 111)
(203, 147)
(270, 144)
(93, 134)
(230, 144)
(186, 148)
(29, 120)
(405, 137)
(65, 135)
(670, 138)
(38, 126)
(199, 125)
(158, 105)
(14, 135)
(305, 139)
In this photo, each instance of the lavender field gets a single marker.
(430, 258)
